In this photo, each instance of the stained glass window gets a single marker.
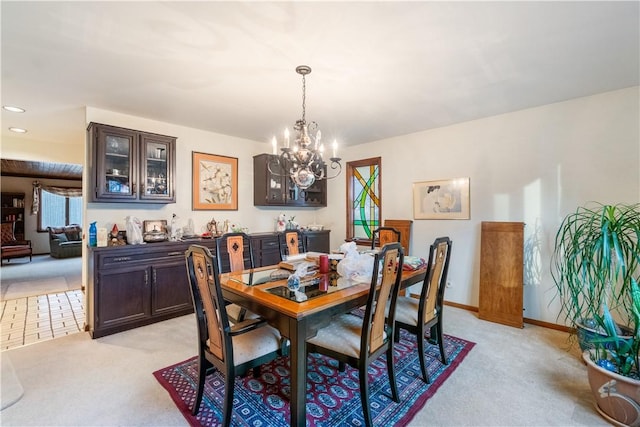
(364, 198)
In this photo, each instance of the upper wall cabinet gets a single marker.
(131, 166)
(277, 189)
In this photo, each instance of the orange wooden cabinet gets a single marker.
(404, 227)
(501, 273)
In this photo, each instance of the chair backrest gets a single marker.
(291, 243)
(383, 235)
(209, 306)
(382, 291)
(234, 252)
(6, 232)
(435, 281)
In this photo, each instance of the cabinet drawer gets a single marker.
(123, 258)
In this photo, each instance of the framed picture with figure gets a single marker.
(443, 199)
(215, 182)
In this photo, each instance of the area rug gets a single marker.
(333, 397)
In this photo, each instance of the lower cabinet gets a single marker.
(317, 241)
(266, 248)
(136, 285)
(121, 298)
(166, 297)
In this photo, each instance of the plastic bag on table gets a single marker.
(134, 230)
(355, 266)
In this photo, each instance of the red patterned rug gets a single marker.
(333, 397)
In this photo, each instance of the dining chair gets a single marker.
(359, 341)
(383, 235)
(416, 315)
(232, 350)
(291, 243)
(234, 252)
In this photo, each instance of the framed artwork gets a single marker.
(444, 199)
(215, 182)
(159, 226)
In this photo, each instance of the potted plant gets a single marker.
(596, 269)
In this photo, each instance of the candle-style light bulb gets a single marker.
(286, 137)
(321, 149)
(335, 148)
(274, 143)
(318, 137)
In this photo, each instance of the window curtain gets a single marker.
(59, 191)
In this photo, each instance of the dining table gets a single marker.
(298, 317)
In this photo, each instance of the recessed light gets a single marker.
(13, 109)
(18, 130)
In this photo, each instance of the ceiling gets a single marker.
(49, 170)
(380, 69)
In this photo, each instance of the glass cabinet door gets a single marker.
(157, 152)
(275, 182)
(116, 150)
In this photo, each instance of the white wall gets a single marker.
(534, 165)
(257, 219)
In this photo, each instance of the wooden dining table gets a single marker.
(298, 321)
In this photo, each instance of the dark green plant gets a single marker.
(595, 263)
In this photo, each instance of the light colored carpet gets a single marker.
(11, 387)
(36, 287)
(21, 278)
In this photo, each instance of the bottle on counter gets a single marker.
(93, 235)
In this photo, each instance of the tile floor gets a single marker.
(38, 318)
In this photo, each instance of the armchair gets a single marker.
(12, 248)
(65, 242)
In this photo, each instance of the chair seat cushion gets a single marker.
(343, 335)
(254, 344)
(16, 249)
(74, 243)
(407, 311)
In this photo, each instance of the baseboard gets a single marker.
(535, 322)
(462, 306)
(549, 325)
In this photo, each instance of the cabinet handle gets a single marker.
(175, 253)
(146, 278)
(154, 276)
(122, 258)
(134, 188)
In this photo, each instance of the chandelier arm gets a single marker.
(335, 164)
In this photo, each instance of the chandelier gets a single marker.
(302, 160)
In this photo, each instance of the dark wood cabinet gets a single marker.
(12, 205)
(130, 165)
(317, 241)
(121, 299)
(273, 187)
(266, 248)
(166, 297)
(136, 285)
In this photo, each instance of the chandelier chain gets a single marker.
(304, 98)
